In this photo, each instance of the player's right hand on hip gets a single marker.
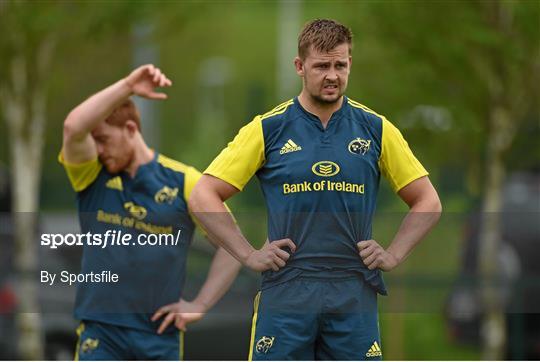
(271, 256)
(143, 81)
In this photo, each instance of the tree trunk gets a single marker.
(493, 330)
(24, 107)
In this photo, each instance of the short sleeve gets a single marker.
(397, 162)
(242, 157)
(81, 175)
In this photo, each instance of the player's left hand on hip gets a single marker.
(374, 256)
(181, 313)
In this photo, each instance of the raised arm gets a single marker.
(78, 145)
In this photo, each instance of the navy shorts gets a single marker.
(311, 318)
(99, 341)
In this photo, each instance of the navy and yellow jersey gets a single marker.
(152, 202)
(320, 184)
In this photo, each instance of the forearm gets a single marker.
(219, 224)
(420, 219)
(87, 115)
(223, 271)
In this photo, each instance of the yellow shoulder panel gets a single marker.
(278, 110)
(172, 164)
(361, 106)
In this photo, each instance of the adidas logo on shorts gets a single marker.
(374, 351)
(289, 146)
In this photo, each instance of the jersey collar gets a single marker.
(333, 119)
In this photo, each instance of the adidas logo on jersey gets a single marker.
(115, 183)
(374, 351)
(289, 146)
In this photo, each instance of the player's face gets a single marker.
(325, 74)
(114, 146)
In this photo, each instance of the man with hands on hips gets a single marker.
(318, 158)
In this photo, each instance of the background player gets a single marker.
(318, 158)
(118, 177)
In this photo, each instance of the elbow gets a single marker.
(436, 208)
(70, 128)
(430, 206)
(209, 194)
(199, 197)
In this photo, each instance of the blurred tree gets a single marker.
(33, 34)
(480, 60)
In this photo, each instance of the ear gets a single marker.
(131, 127)
(299, 66)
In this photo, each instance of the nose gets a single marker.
(331, 75)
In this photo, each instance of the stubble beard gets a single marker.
(318, 99)
(121, 163)
(325, 101)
